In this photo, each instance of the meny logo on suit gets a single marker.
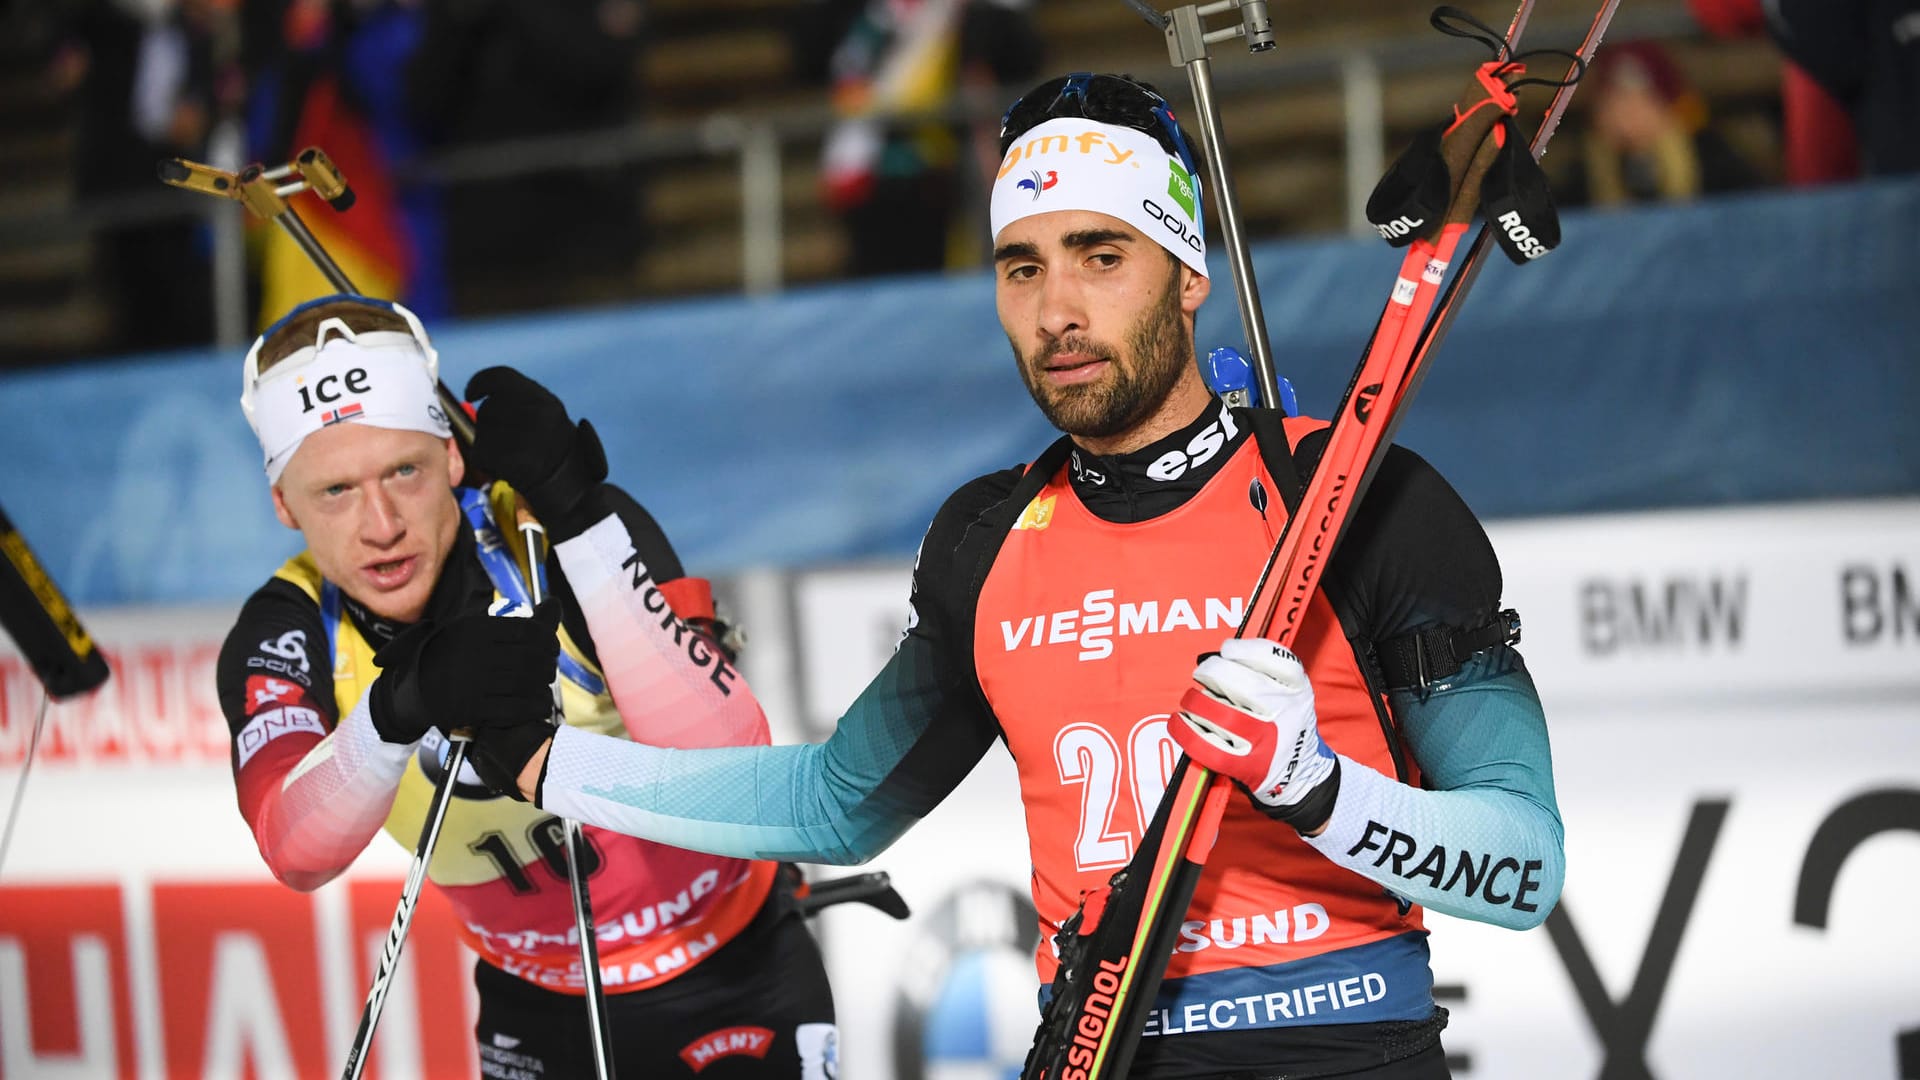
(1100, 618)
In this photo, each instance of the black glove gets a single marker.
(501, 750)
(522, 435)
(465, 672)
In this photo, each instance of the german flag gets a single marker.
(372, 243)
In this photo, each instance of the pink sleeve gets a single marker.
(314, 798)
(673, 687)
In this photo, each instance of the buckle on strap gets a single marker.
(1418, 659)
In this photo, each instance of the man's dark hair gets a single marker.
(297, 333)
(1104, 98)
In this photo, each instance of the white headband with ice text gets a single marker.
(380, 378)
(1073, 164)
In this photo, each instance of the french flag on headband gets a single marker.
(344, 412)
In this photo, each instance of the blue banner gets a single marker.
(1743, 350)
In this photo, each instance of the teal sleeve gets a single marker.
(1485, 730)
(906, 742)
(1481, 837)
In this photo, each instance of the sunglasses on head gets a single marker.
(1125, 102)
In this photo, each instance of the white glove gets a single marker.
(1250, 716)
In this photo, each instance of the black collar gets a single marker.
(1162, 475)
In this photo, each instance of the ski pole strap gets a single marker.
(1420, 658)
(1424, 186)
(1476, 159)
(1514, 196)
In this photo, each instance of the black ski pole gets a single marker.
(49, 635)
(576, 840)
(396, 938)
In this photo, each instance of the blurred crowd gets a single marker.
(384, 85)
(378, 84)
(1849, 105)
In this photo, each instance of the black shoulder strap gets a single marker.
(1000, 520)
(1269, 431)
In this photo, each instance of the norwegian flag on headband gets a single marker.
(344, 412)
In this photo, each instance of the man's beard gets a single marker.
(1156, 353)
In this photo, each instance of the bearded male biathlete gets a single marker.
(344, 671)
(1399, 763)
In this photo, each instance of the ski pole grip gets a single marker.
(1467, 201)
(873, 889)
(36, 616)
(1475, 112)
(1424, 188)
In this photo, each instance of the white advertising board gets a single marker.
(141, 934)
